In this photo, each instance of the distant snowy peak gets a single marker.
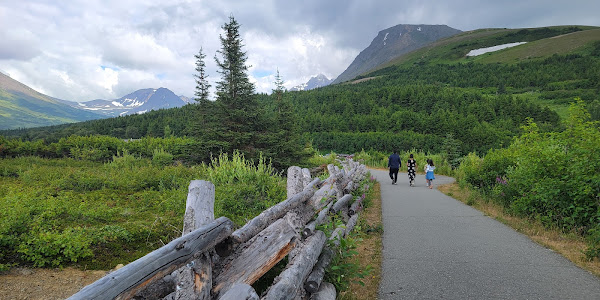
(138, 102)
(315, 82)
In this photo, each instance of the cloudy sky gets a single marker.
(81, 50)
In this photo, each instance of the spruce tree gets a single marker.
(286, 142)
(235, 93)
(202, 85)
(279, 89)
(206, 124)
(451, 148)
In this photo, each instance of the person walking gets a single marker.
(411, 165)
(394, 165)
(429, 173)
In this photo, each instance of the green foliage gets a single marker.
(343, 268)
(124, 160)
(103, 148)
(552, 177)
(56, 212)
(323, 160)
(243, 189)
(160, 157)
(594, 242)
(451, 150)
(53, 249)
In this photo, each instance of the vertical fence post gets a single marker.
(295, 181)
(194, 280)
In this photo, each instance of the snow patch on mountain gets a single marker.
(315, 82)
(480, 51)
(138, 102)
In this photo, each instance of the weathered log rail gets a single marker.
(211, 261)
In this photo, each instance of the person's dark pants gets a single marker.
(394, 174)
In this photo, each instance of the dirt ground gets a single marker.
(48, 284)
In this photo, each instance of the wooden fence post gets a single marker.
(306, 177)
(194, 280)
(295, 181)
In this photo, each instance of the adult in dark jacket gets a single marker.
(394, 165)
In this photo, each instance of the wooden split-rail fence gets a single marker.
(211, 260)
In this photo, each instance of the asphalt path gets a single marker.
(436, 247)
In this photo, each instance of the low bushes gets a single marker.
(56, 212)
(552, 177)
(102, 148)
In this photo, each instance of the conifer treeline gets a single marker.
(479, 105)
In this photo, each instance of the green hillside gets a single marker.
(541, 43)
(429, 98)
(555, 66)
(580, 42)
(23, 107)
(18, 111)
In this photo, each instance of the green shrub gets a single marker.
(593, 238)
(243, 189)
(52, 249)
(160, 157)
(323, 160)
(552, 177)
(124, 160)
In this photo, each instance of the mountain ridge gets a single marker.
(137, 102)
(313, 83)
(391, 43)
(22, 107)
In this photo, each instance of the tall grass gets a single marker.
(243, 188)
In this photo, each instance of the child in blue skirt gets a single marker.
(429, 173)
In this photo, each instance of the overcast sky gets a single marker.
(81, 50)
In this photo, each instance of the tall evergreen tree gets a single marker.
(202, 84)
(206, 124)
(285, 142)
(279, 88)
(235, 93)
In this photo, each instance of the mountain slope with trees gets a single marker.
(434, 96)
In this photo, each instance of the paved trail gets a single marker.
(435, 247)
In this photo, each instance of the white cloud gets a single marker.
(87, 49)
(136, 51)
(108, 78)
(298, 56)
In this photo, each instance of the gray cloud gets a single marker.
(82, 50)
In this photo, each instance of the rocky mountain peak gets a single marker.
(393, 42)
(313, 83)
